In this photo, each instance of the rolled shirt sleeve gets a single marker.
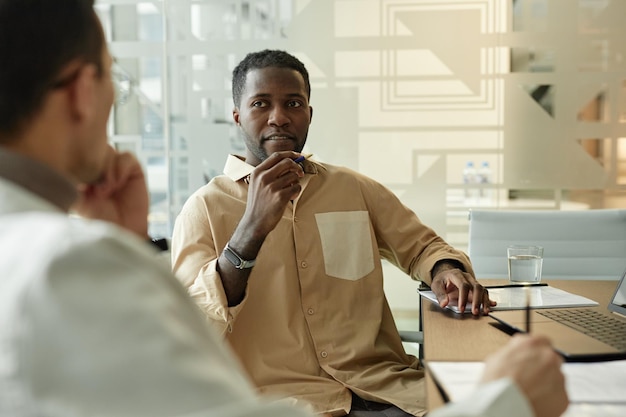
(194, 261)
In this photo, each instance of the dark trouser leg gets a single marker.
(365, 408)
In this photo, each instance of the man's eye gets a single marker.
(294, 104)
(258, 104)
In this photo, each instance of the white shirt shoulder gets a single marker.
(91, 324)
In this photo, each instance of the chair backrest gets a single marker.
(585, 244)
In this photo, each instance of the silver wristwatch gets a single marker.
(237, 261)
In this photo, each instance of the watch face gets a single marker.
(234, 259)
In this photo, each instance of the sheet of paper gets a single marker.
(514, 298)
(594, 388)
(601, 382)
(595, 410)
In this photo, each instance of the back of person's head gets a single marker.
(38, 38)
(265, 59)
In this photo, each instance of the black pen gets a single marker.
(528, 311)
(540, 284)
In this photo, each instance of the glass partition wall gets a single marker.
(452, 104)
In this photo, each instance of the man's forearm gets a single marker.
(234, 280)
(243, 247)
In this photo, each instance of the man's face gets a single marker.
(274, 113)
(92, 148)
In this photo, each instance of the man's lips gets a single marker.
(278, 136)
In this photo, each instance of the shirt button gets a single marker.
(310, 311)
(323, 354)
(303, 264)
(296, 220)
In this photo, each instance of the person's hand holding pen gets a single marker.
(534, 366)
(272, 185)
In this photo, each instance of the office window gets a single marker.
(452, 105)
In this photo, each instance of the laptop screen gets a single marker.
(618, 303)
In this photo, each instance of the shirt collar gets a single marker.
(237, 168)
(38, 179)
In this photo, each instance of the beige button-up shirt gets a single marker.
(315, 323)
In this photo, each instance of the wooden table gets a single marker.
(449, 336)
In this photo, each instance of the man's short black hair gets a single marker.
(265, 59)
(38, 38)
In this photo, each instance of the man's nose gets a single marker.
(278, 117)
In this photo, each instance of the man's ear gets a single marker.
(310, 114)
(83, 93)
(236, 115)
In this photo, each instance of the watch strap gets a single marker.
(160, 244)
(236, 259)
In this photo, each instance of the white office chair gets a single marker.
(586, 244)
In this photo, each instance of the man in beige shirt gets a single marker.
(284, 256)
(90, 323)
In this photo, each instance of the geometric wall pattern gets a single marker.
(407, 92)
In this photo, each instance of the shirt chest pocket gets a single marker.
(346, 244)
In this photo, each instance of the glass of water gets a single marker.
(525, 264)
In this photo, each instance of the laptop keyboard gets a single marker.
(592, 323)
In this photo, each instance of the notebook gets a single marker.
(579, 334)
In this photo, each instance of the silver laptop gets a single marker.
(579, 334)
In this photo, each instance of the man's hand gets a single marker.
(531, 362)
(450, 284)
(273, 183)
(120, 197)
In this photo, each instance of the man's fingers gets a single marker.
(531, 340)
(480, 297)
(487, 303)
(461, 287)
(464, 291)
(281, 173)
(438, 288)
(276, 158)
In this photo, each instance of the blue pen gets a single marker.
(299, 159)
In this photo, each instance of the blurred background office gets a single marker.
(451, 104)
